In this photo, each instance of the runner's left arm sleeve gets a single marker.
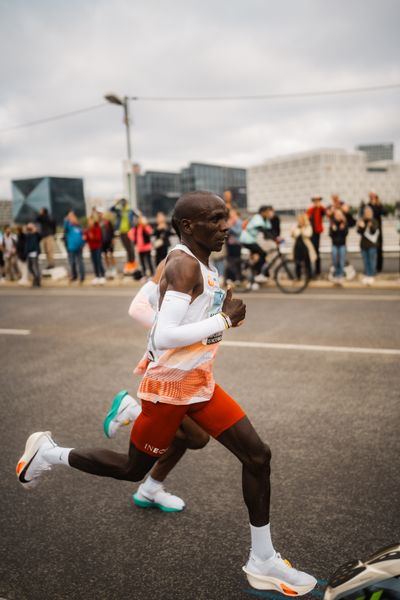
(169, 333)
(143, 306)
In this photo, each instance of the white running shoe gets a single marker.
(101, 280)
(95, 281)
(160, 499)
(278, 574)
(261, 278)
(123, 411)
(31, 464)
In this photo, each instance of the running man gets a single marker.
(125, 410)
(178, 381)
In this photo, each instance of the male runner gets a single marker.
(178, 381)
(125, 410)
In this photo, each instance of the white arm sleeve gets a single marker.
(169, 333)
(143, 306)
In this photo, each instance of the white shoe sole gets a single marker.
(265, 582)
(32, 446)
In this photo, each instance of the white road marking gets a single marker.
(313, 348)
(14, 332)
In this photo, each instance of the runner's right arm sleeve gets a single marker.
(169, 333)
(143, 306)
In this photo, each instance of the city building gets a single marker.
(288, 182)
(5, 212)
(159, 190)
(58, 194)
(376, 152)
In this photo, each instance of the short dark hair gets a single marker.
(184, 207)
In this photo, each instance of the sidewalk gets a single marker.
(383, 281)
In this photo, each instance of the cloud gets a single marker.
(61, 56)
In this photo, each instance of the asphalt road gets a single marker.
(331, 416)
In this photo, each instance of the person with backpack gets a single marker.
(94, 239)
(75, 242)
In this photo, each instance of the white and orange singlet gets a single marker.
(184, 375)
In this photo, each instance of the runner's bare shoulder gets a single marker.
(181, 273)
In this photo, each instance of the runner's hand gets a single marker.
(234, 308)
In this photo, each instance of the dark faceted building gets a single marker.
(58, 194)
(158, 191)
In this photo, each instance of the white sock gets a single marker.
(151, 486)
(57, 455)
(133, 410)
(261, 543)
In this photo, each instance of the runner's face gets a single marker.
(210, 229)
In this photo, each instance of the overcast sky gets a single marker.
(59, 56)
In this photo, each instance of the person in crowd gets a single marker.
(2, 263)
(75, 243)
(94, 239)
(46, 227)
(22, 255)
(10, 254)
(303, 250)
(316, 213)
(379, 211)
(343, 206)
(273, 225)
(32, 248)
(338, 231)
(234, 248)
(256, 228)
(368, 228)
(141, 237)
(107, 234)
(162, 233)
(124, 224)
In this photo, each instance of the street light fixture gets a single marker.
(130, 173)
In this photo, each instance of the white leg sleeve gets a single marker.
(169, 333)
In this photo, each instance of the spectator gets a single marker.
(345, 208)
(140, 236)
(368, 228)
(338, 231)
(32, 248)
(46, 227)
(273, 225)
(124, 223)
(107, 234)
(75, 241)
(379, 211)
(316, 213)
(22, 256)
(94, 239)
(2, 264)
(234, 247)
(162, 233)
(10, 254)
(256, 227)
(303, 251)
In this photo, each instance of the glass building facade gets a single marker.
(157, 189)
(58, 194)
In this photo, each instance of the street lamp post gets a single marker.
(130, 173)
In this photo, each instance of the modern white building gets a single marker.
(288, 182)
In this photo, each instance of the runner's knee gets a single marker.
(198, 440)
(259, 460)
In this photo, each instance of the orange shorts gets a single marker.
(155, 427)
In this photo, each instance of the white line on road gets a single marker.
(313, 348)
(14, 332)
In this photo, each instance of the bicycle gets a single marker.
(290, 276)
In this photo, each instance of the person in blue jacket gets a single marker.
(75, 241)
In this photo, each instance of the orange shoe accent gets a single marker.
(20, 466)
(289, 564)
(286, 590)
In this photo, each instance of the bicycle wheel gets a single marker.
(291, 277)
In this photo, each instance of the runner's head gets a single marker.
(201, 217)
